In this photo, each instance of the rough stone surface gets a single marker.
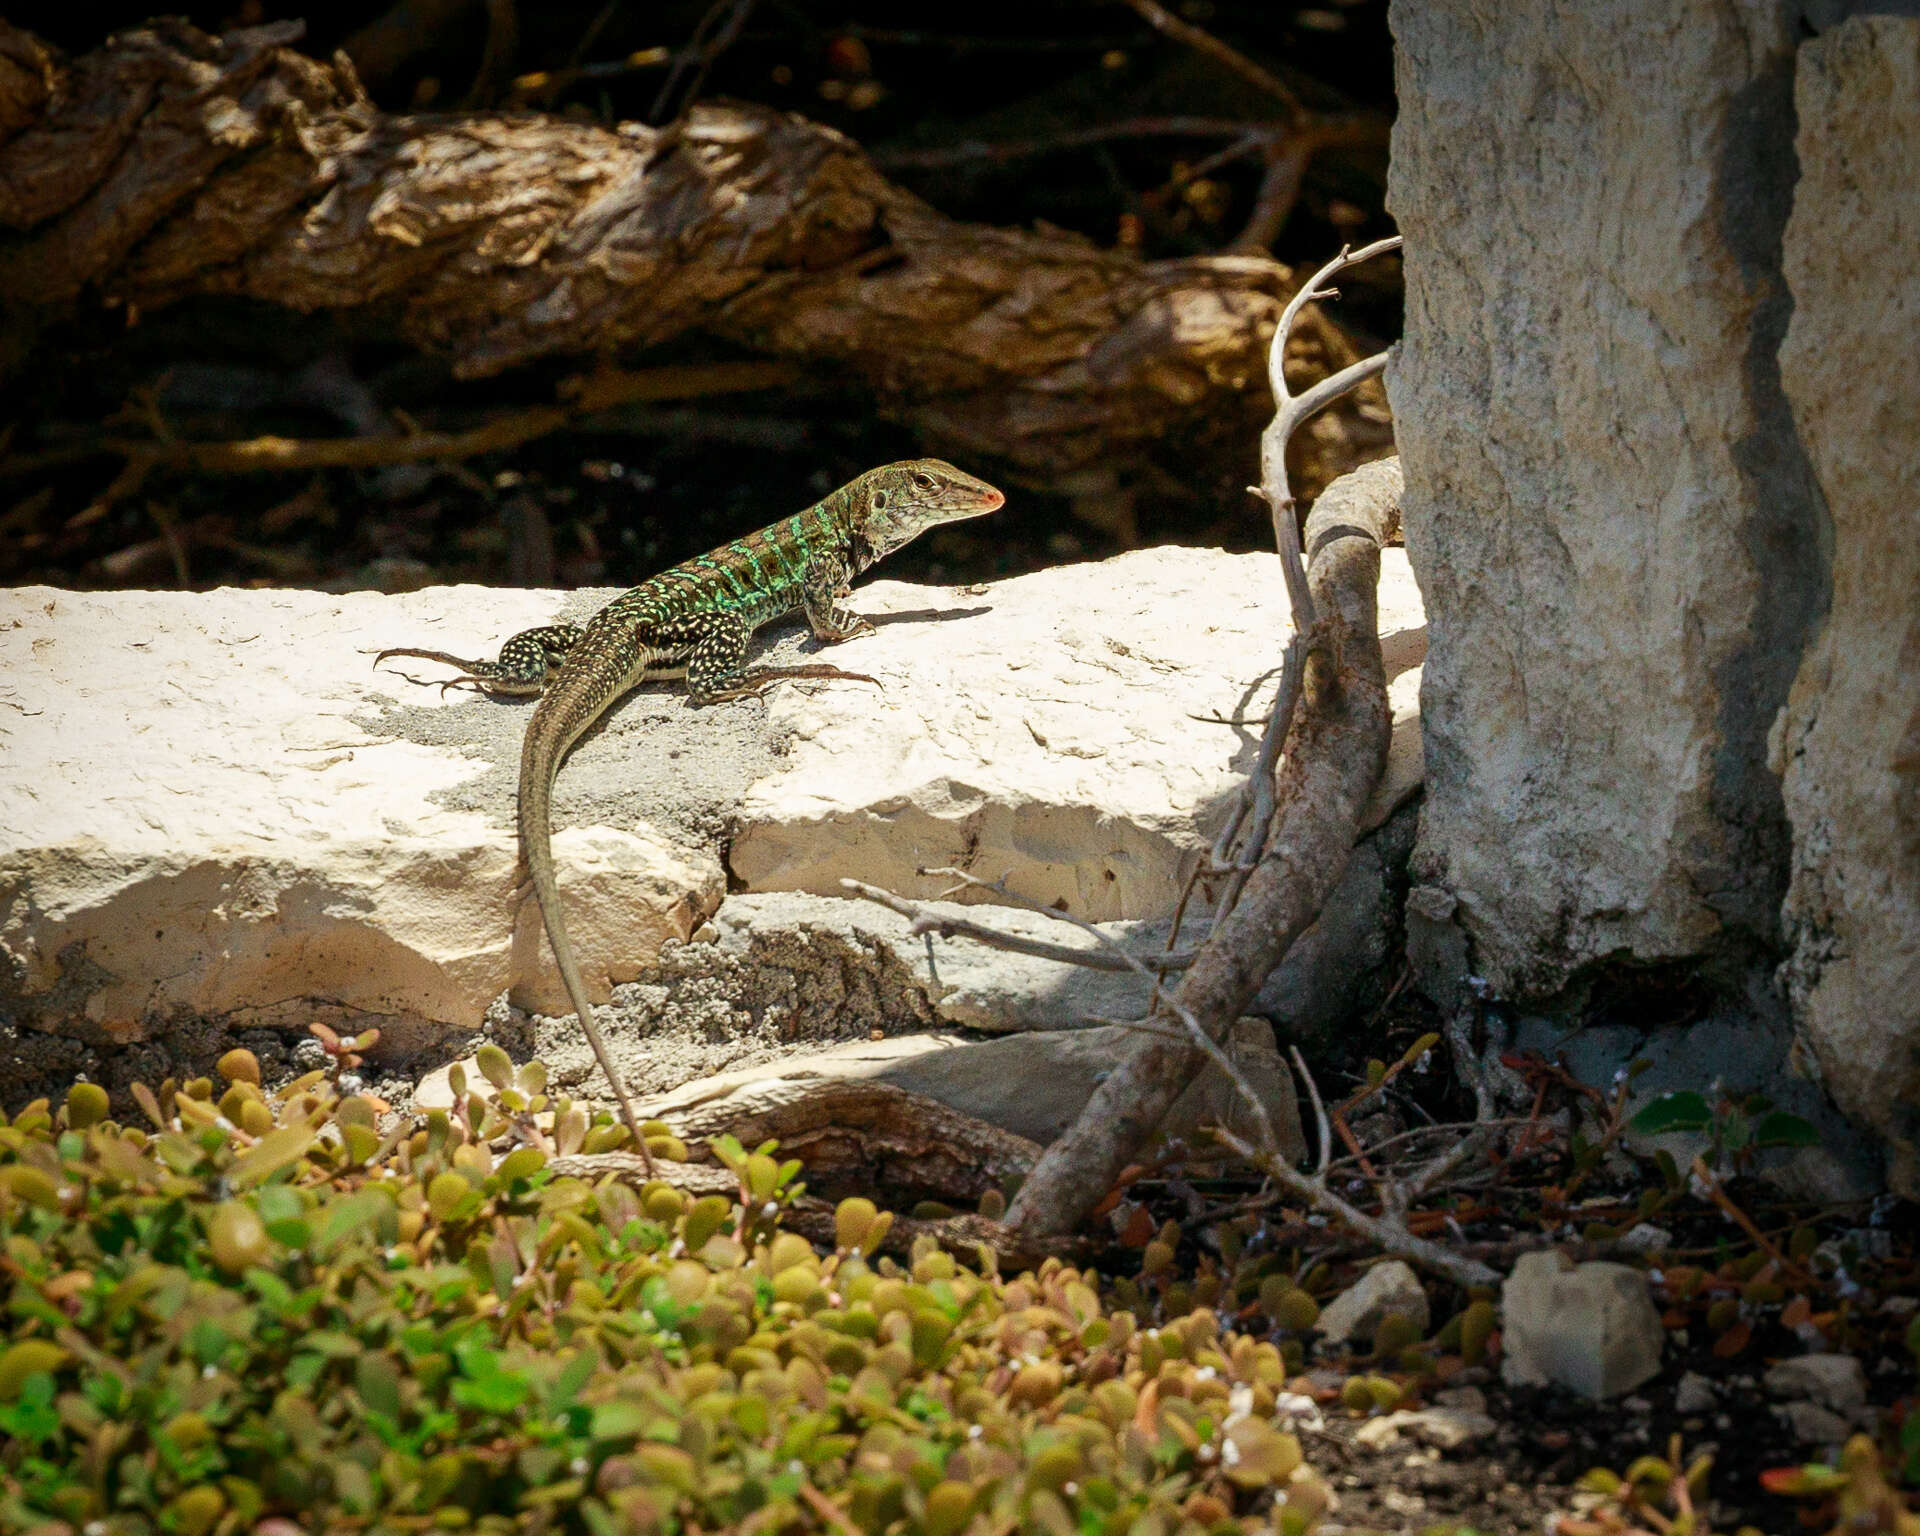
(1607, 504)
(1838, 1382)
(1047, 734)
(213, 805)
(1386, 1288)
(215, 815)
(785, 971)
(1848, 743)
(1590, 1328)
(1811, 1424)
(1034, 1085)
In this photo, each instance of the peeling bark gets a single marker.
(170, 163)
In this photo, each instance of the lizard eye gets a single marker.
(923, 482)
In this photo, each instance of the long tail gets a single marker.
(549, 734)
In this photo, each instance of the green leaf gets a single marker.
(1781, 1129)
(574, 1375)
(31, 1416)
(1673, 1112)
(352, 1213)
(266, 1157)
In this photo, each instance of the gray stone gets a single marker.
(1834, 1381)
(1386, 1288)
(1695, 1394)
(1845, 743)
(1810, 1424)
(1445, 1429)
(1741, 1050)
(1616, 532)
(1590, 1328)
(1032, 1084)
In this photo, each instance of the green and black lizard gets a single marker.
(696, 621)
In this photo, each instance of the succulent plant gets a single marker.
(269, 1311)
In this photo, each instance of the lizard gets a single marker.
(695, 622)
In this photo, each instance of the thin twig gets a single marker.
(1389, 1235)
(1290, 411)
(949, 927)
(1705, 1177)
(1268, 1139)
(1167, 24)
(1319, 1108)
(276, 455)
(1287, 163)
(713, 36)
(1071, 138)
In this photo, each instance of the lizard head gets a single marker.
(902, 501)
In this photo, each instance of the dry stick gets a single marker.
(272, 455)
(1269, 1142)
(1109, 958)
(1073, 138)
(1290, 411)
(1165, 22)
(1388, 1231)
(1337, 744)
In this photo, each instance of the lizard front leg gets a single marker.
(527, 662)
(821, 594)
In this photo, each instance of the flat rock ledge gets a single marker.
(215, 814)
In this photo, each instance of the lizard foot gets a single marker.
(751, 685)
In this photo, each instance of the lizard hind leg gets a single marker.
(527, 662)
(752, 682)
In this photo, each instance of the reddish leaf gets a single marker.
(1732, 1341)
(1139, 1229)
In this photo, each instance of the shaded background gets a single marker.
(1052, 113)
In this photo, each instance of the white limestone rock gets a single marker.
(1616, 531)
(212, 805)
(1445, 1429)
(213, 808)
(1044, 732)
(1591, 1328)
(1387, 1288)
(1845, 742)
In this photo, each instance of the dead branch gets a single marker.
(265, 455)
(169, 163)
(1388, 1231)
(853, 1135)
(1336, 744)
(1165, 22)
(1106, 957)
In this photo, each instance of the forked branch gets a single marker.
(1332, 715)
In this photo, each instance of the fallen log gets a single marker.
(170, 163)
